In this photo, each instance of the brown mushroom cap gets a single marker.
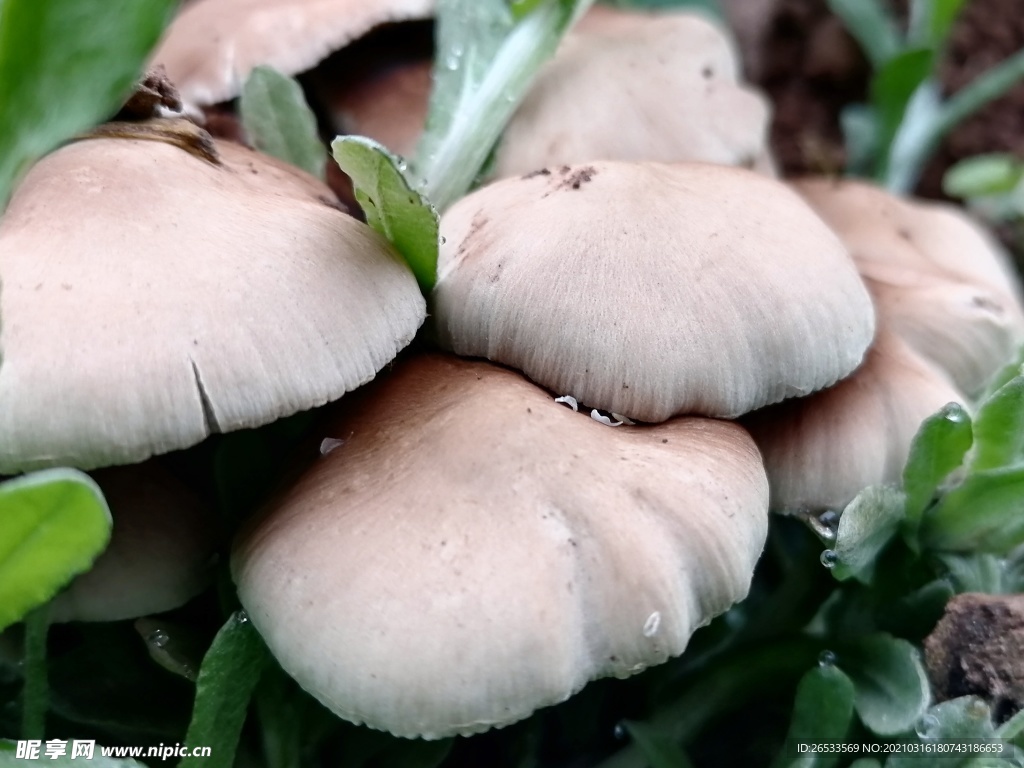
(151, 298)
(821, 451)
(652, 290)
(212, 45)
(160, 554)
(635, 86)
(937, 278)
(474, 551)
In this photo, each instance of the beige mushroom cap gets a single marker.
(636, 86)
(652, 290)
(821, 451)
(151, 298)
(212, 45)
(937, 278)
(160, 554)
(474, 551)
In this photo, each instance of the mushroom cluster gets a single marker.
(467, 549)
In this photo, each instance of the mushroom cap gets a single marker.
(212, 46)
(651, 290)
(822, 450)
(474, 551)
(937, 278)
(634, 86)
(151, 298)
(160, 555)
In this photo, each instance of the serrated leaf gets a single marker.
(487, 56)
(53, 525)
(657, 748)
(823, 712)
(999, 428)
(867, 524)
(279, 122)
(938, 448)
(872, 25)
(228, 675)
(66, 65)
(391, 206)
(890, 683)
(981, 514)
(990, 174)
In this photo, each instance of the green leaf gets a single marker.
(53, 525)
(931, 21)
(865, 527)
(890, 683)
(66, 65)
(9, 759)
(959, 721)
(999, 428)
(991, 174)
(981, 514)
(861, 137)
(279, 122)
(872, 25)
(938, 448)
(823, 712)
(711, 7)
(392, 207)
(975, 573)
(487, 56)
(657, 748)
(893, 86)
(227, 678)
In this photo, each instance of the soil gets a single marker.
(977, 649)
(811, 69)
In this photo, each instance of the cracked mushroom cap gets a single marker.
(636, 86)
(212, 46)
(652, 290)
(937, 278)
(152, 297)
(474, 551)
(821, 451)
(161, 552)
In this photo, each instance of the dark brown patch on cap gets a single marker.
(534, 174)
(578, 178)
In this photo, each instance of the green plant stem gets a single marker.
(35, 693)
(904, 171)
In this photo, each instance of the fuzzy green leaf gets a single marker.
(66, 65)
(891, 687)
(279, 122)
(658, 748)
(392, 207)
(53, 525)
(865, 527)
(981, 514)
(959, 721)
(999, 428)
(229, 674)
(938, 448)
(990, 174)
(823, 712)
(872, 24)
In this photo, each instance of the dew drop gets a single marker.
(829, 558)
(403, 166)
(159, 638)
(451, 62)
(954, 412)
(443, 239)
(243, 617)
(827, 659)
(619, 732)
(928, 728)
(652, 624)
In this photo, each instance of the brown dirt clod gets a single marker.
(977, 648)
